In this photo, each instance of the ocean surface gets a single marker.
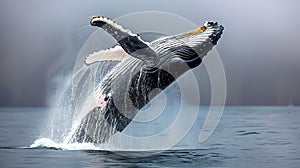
(245, 137)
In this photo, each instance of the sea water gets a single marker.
(245, 137)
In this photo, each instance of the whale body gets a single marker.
(143, 71)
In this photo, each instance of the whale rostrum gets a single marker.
(143, 70)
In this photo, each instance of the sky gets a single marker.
(259, 49)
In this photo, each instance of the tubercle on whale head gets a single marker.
(213, 31)
(217, 31)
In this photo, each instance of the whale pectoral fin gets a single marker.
(112, 54)
(130, 42)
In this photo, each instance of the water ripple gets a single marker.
(249, 133)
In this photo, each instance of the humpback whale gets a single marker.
(143, 70)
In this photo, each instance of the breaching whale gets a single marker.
(143, 70)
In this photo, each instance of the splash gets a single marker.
(50, 144)
(73, 92)
(70, 101)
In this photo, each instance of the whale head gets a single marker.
(189, 47)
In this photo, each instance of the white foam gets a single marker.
(48, 143)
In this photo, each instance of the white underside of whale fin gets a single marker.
(112, 54)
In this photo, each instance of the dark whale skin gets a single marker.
(129, 86)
